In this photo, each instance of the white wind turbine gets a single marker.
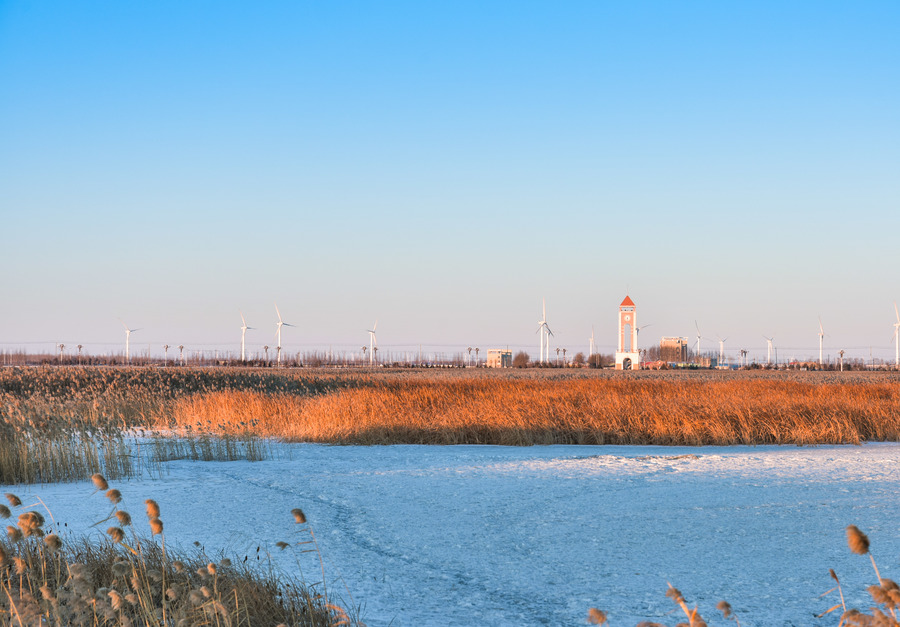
(698, 339)
(722, 349)
(544, 329)
(592, 342)
(821, 340)
(897, 337)
(769, 344)
(128, 333)
(244, 329)
(373, 343)
(279, 324)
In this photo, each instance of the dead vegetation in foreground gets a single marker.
(883, 613)
(126, 579)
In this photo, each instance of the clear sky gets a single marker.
(441, 167)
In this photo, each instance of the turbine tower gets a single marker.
(128, 333)
(279, 324)
(821, 338)
(591, 349)
(722, 349)
(244, 329)
(897, 337)
(769, 341)
(544, 329)
(698, 339)
(373, 343)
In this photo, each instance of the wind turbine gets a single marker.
(544, 328)
(128, 333)
(821, 339)
(245, 328)
(769, 344)
(373, 343)
(279, 324)
(722, 349)
(897, 337)
(591, 352)
(698, 339)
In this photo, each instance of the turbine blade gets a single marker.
(278, 312)
(896, 311)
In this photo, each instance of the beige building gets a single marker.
(498, 358)
(673, 350)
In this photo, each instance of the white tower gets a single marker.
(627, 356)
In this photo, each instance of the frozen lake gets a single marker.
(483, 535)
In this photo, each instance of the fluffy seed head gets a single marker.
(21, 565)
(879, 594)
(152, 508)
(211, 568)
(857, 540)
(14, 534)
(123, 517)
(596, 617)
(53, 542)
(725, 608)
(156, 526)
(178, 565)
(116, 534)
(225, 562)
(14, 500)
(833, 575)
(99, 481)
(4, 512)
(3, 555)
(299, 516)
(116, 599)
(675, 594)
(115, 496)
(282, 545)
(30, 523)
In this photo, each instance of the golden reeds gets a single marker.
(47, 581)
(222, 413)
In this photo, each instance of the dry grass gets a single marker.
(449, 407)
(491, 410)
(883, 613)
(130, 579)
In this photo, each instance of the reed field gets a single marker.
(225, 411)
(69, 423)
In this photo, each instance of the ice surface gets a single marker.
(484, 535)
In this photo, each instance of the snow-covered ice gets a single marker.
(485, 535)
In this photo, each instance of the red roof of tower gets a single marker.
(627, 302)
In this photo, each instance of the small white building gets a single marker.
(499, 358)
(627, 356)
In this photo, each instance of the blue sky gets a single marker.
(443, 168)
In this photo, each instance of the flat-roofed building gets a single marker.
(673, 350)
(499, 358)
